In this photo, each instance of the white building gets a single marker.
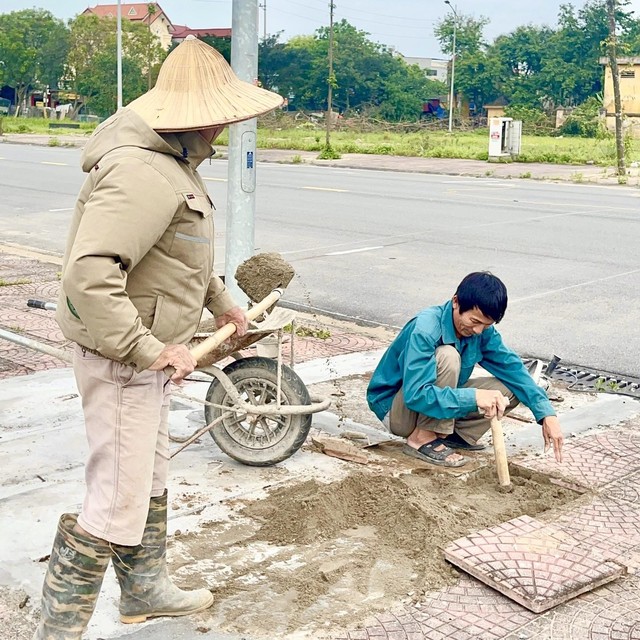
(435, 67)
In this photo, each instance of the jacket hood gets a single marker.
(125, 128)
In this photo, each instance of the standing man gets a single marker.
(137, 273)
(423, 389)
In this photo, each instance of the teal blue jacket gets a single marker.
(410, 363)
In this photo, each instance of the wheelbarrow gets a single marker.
(257, 409)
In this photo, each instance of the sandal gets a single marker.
(427, 453)
(455, 441)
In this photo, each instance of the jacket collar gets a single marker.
(447, 326)
(190, 145)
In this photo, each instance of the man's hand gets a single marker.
(491, 403)
(179, 358)
(552, 435)
(237, 317)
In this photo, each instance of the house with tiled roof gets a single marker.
(148, 13)
(181, 32)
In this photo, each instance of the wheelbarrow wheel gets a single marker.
(259, 440)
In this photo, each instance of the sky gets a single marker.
(405, 25)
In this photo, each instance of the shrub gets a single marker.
(534, 121)
(585, 120)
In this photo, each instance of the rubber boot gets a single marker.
(146, 590)
(72, 584)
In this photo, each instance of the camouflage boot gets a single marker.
(72, 583)
(146, 590)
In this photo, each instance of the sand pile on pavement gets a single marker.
(323, 556)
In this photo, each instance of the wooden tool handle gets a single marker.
(500, 453)
(222, 334)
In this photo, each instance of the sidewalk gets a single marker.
(577, 174)
(312, 576)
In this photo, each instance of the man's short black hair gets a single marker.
(483, 290)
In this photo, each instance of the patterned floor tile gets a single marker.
(536, 564)
(611, 612)
(596, 460)
(466, 611)
(627, 490)
(603, 519)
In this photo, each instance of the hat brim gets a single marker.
(236, 101)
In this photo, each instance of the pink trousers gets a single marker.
(126, 420)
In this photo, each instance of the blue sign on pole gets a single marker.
(249, 159)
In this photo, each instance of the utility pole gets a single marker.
(119, 52)
(453, 64)
(612, 50)
(241, 197)
(151, 11)
(263, 6)
(330, 80)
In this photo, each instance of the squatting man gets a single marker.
(423, 388)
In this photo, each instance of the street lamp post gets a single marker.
(119, 54)
(453, 63)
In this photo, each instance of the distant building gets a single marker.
(436, 68)
(157, 20)
(629, 69)
(496, 109)
(181, 32)
(149, 13)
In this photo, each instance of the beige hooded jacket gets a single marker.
(138, 267)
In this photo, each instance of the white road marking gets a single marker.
(57, 210)
(56, 164)
(574, 286)
(326, 189)
(343, 253)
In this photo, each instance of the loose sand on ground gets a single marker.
(314, 556)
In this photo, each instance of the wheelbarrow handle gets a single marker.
(41, 304)
(225, 332)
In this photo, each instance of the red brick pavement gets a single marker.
(42, 283)
(595, 460)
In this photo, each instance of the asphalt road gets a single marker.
(379, 246)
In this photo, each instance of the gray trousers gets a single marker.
(472, 427)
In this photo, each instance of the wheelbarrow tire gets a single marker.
(273, 438)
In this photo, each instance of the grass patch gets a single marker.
(11, 283)
(469, 145)
(41, 126)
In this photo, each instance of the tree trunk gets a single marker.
(612, 50)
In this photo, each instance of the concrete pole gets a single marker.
(241, 202)
(119, 53)
(453, 64)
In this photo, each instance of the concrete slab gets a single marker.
(535, 564)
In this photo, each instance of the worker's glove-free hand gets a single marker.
(178, 359)
(552, 434)
(235, 316)
(491, 403)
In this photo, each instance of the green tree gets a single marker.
(469, 34)
(521, 59)
(33, 47)
(223, 45)
(92, 63)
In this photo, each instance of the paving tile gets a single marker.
(481, 614)
(603, 521)
(627, 490)
(594, 461)
(545, 565)
(611, 612)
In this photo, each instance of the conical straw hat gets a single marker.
(197, 89)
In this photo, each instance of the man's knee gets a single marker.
(448, 362)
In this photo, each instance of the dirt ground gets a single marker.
(314, 556)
